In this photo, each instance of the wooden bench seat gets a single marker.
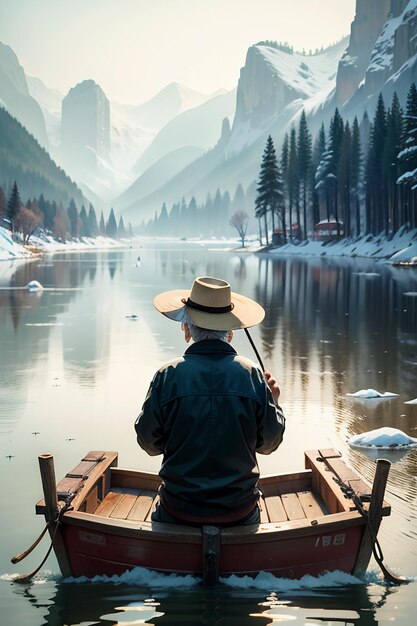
(137, 505)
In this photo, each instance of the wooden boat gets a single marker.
(320, 519)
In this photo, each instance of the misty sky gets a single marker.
(133, 48)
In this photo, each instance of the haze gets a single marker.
(133, 48)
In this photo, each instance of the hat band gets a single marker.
(208, 309)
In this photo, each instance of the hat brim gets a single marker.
(245, 313)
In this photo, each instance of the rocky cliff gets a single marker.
(85, 127)
(369, 19)
(367, 68)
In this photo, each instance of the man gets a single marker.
(209, 411)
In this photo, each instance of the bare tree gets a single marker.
(26, 222)
(239, 220)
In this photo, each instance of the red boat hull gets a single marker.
(91, 553)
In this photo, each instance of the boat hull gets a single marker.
(93, 552)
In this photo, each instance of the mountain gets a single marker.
(392, 63)
(185, 137)
(23, 160)
(274, 85)
(16, 98)
(171, 101)
(50, 101)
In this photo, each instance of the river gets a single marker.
(76, 360)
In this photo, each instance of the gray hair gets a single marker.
(200, 334)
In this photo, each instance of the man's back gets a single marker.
(208, 412)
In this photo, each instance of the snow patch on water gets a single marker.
(372, 393)
(383, 438)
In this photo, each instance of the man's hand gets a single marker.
(273, 385)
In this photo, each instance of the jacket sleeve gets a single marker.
(148, 425)
(271, 424)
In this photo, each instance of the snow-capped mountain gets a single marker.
(16, 98)
(274, 85)
(392, 63)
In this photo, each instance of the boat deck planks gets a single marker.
(139, 506)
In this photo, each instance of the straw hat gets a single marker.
(210, 304)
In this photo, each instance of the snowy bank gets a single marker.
(9, 249)
(400, 247)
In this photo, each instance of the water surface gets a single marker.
(75, 367)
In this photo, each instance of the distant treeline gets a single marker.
(62, 222)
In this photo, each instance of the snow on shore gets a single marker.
(400, 247)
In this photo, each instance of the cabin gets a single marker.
(328, 230)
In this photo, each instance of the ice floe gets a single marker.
(383, 438)
(371, 394)
(34, 285)
(411, 401)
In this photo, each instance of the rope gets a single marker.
(25, 578)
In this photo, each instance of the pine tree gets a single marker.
(84, 230)
(356, 173)
(304, 157)
(293, 183)
(102, 226)
(335, 145)
(390, 164)
(3, 204)
(408, 158)
(375, 185)
(92, 222)
(73, 218)
(269, 197)
(13, 205)
(318, 151)
(121, 231)
(111, 226)
(344, 178)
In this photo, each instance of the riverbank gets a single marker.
(10, 249)
(401, 247)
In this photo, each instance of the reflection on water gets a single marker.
(74, 369)
(83, 603)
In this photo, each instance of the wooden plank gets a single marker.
(311, 506)
(263, 511)
(124, 506)
(275, 509)
(106, 507)
(92, 501)
(141, 507)
(330, 453)
(95, 455)
(292, 506)
(82, 470)
(286, 484)
(324, 484)
(68, 486)
(134, 479)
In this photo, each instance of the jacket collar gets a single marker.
(211, 346)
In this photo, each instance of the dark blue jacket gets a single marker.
(208, 412)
